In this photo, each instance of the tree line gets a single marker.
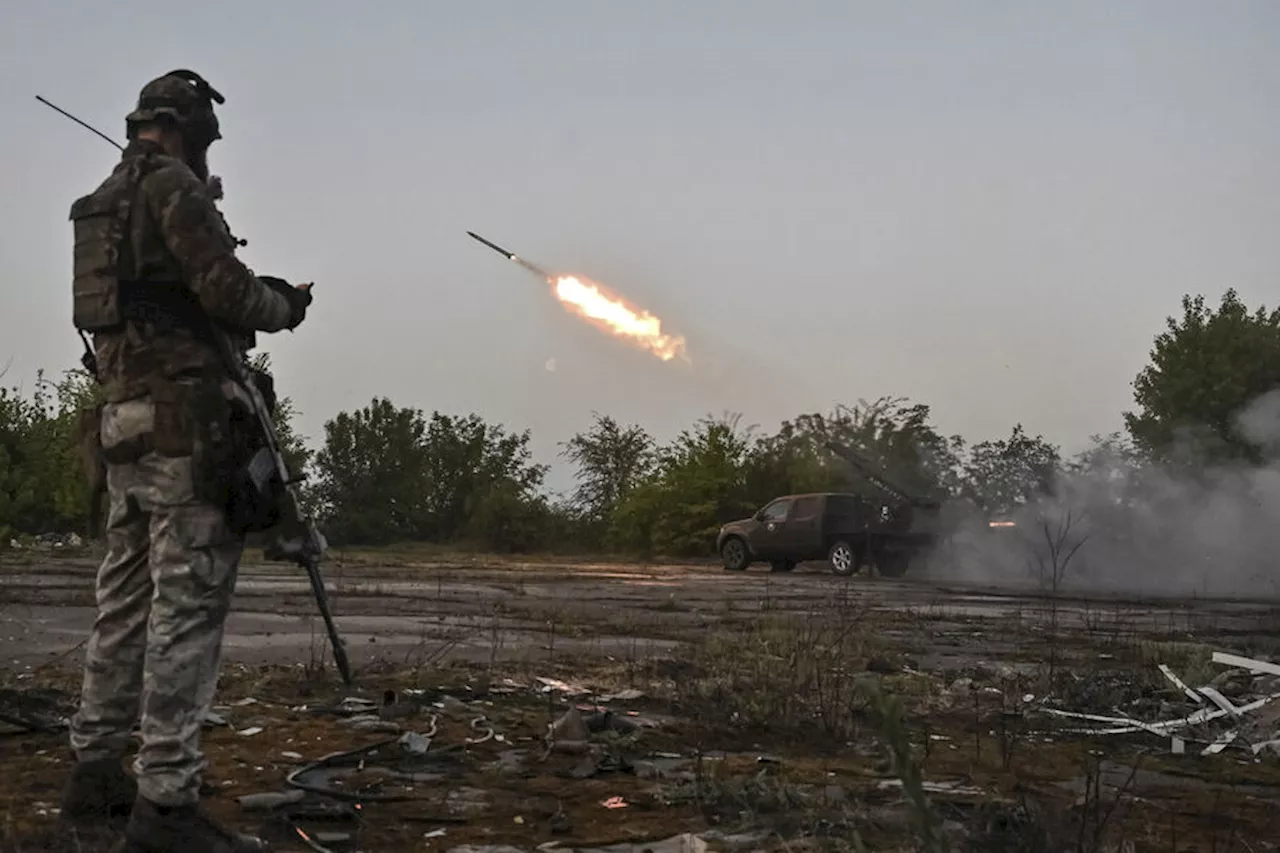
(389, 474)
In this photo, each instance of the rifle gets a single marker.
(267, 472)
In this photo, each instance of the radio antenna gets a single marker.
(79, 122)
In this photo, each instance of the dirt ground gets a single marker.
(749, 710)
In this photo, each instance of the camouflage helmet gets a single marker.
(183, 96)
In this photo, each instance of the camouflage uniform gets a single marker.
(165, 586)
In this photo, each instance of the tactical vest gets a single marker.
(108, 290)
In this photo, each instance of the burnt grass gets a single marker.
(783, 719)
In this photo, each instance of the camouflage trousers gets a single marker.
(163, 593)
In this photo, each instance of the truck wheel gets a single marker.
(892, 564)
(843, 558)
(734, 554)
(782, 565)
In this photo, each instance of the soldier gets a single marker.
(154, 271)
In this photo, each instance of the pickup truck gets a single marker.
(847, 530)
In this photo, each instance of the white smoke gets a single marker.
(1154, 530)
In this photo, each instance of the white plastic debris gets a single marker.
(1178, 683)
(1217, 707)
(414, 743)
(1219, 744)
(549, 685)
(250, 732)
(1221, 701)
(1252, 664)
(937, 787)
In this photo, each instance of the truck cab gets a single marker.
(847, 530)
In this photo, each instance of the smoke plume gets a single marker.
(1142, 528)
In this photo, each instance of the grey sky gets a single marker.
(987, 207)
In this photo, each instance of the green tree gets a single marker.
(792, 460)
(1206, 367)
(371, 487)
(1106, 454)
(699, 483)
(1001, 475)
(389, 474)
(293, 446)
(465, 458)
(893, 435)
(510, 519)
(612, 460)
(43, 486)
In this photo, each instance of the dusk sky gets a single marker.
(986, 207)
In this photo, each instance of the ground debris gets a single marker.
(35, 709)
(270, 800)
(1204, 705)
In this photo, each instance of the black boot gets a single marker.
(164, 829)
(98, 791)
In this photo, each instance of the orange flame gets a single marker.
(605, 311)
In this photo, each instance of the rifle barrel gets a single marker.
(335, 641)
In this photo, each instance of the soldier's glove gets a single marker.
(299, 298)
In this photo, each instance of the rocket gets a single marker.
(511, 256)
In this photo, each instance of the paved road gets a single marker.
(481, 611)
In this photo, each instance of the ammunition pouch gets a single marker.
(193, 419)
(87, 435)
(256, 495)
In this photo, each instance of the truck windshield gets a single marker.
(775, 512)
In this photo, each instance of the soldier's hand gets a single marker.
(299, 297)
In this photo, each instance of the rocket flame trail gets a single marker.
(612, 314)
(602, 309)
